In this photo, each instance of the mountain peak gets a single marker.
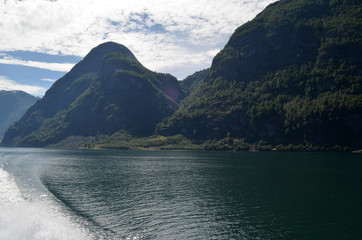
(91, 63)
(109, 47)
(108, 91)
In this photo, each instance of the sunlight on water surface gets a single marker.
(58, 194)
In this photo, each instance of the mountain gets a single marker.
(291, 75)
(108, 91)
(13, 105)
(190, 83)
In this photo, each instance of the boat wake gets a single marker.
(22, 217)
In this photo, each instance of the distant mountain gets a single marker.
(290, 79)
(291, 75)
(190, 83)
(13, 105)
(108, 91)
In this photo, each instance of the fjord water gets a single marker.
(104, 194)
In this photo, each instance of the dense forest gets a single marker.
(106, 92)
(292, 75)
(192, 82)
(288, 80)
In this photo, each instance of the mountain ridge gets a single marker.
(288, 79)
(109, 90)
(13, 104)
(291, 75)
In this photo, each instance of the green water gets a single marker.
(193, 195)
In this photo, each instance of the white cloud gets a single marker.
(48, 80)
(161, 33)
(62, 67)
(10, 85)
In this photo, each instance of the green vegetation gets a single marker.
(291, 75)
(289, 80)
(106, 92)
(124, 140)
(189, 84)
(121, 140)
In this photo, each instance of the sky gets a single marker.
(41, 40)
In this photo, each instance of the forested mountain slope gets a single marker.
(192, 82)
(291, 75)
(108, 91)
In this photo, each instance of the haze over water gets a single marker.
(88, 194)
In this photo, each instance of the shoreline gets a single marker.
(124, 141)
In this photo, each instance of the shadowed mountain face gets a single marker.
(108, 91)
(192, 82)
(13, 105)
(291, 75)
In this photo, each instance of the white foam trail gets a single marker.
(22, 219)
(9, 191)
